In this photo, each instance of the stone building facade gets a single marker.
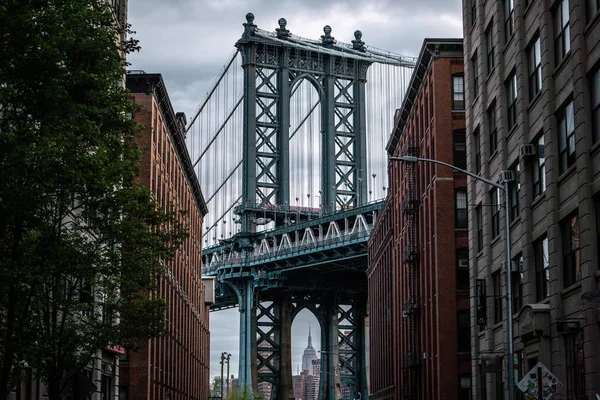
(418, 286)
(532, 97)
(175, 366)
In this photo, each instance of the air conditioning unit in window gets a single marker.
(507, 175)
(527, 150)
(463, 263)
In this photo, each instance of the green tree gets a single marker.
(80, 242)
(215, 387)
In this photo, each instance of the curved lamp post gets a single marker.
(510, 377)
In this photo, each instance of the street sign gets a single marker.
(540, 375)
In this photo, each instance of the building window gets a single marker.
(539, 169)
(477, 150)
(461, 209)
(464, 391)
(491, 117)
(482, 382)
(509, 18)
(592, 8)
(542, 269)
(517, 276)
(496, 206)
(575, 365)
(460, 149)
(515, 194)
(489, 41)
(511, 100)
(595, 88)
(464, 331)
(566, 138)
(571, 253)
(479, 222)
(497, 297)
(473, 11)
(534, 56)
(562, 33)
(458, 92)
(475, 66)
(462, 268)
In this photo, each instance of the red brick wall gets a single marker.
(432, 130)
(178, 363)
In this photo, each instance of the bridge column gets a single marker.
(360, 132)
(283, 113)
(330, 383)
(247, 307)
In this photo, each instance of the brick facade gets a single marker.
(554, 228)
(175, 366)
(426, 120)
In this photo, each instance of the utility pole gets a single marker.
(228, 358)
(222, 362)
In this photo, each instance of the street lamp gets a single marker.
(510, 377)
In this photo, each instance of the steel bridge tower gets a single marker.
(307, 260)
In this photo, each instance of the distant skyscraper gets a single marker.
(309, 355)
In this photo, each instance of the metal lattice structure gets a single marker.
(285, 154)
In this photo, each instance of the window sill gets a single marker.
(527, 9)
(508, 42)
(595, 147)
(461, 229)
(565, 175)
(569, 290)
(514, 222)
(512, 131)
(473, 25)
(498, 325)
(493, 155)
(593, 21)
(561, 65)
(534, 101)
(540, 198)
(495, 240)
(479, 253)
(490, 74)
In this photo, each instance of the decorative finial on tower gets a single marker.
(327, 39)
(357, 43)
(249, 27)
(282, 32)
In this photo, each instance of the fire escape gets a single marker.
(410, 260)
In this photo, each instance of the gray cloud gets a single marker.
(188, 41)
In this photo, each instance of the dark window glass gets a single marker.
(542, 268)
(592, 8)
(509, 18)
(562, 33)
(535, 68)
(539, 168)
(462, 268)
(460, 149)
(479, 221)
(595, 89)
(461, 209)
(473, 11)
(489, 41)
(491, 116)
(464, 331)
(464, 389)
(458, 92)
(496, 206)
(566, 138)
(571, 251)
(515, 193)
(477, 150)
(517, 283)
(499, 379)
(497, 297)
(511, 100)
(575, 365)
(475, 65)
(482, 382)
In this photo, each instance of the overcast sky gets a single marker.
(188, 41)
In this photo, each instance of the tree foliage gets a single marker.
(80, 242)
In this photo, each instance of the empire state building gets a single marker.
(309, 355)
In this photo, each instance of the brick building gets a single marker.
(418, 252)
(175, 366)
(532, 97)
